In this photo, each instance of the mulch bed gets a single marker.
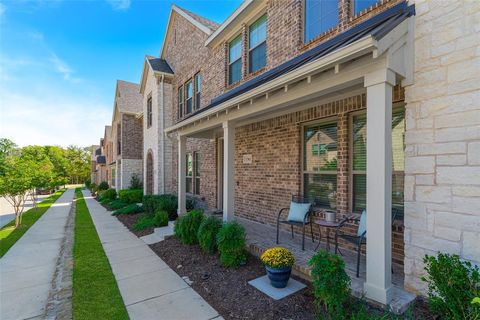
(227, 289)
(130, 219)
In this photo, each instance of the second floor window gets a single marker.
(320, 16)
(149, 112)
(198, 88)
(188, 97)
(180, 102)
(360, 5)
(235, 60)
(257, 41)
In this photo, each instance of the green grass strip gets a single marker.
(95, 291)
(9, 235)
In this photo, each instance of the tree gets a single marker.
(15, 183)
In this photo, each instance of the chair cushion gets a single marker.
(298, 211)
(362, 226)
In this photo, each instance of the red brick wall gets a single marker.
(266, 185)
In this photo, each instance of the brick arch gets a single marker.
(149, 173)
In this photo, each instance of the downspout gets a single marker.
(161, 133)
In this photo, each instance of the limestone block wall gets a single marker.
(128, 169)
(442, 158)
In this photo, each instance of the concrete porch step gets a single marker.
(159, 234)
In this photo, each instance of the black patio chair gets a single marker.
(301, 220)
(361, 237)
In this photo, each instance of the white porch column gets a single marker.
(378, 284)
(182, 146)
(228, 170)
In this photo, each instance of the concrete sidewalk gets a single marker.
(26, 270)
(149, 288)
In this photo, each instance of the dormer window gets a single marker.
(257, 43)
(235, 60)
(320, 16)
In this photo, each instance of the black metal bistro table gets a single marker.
(321, 223)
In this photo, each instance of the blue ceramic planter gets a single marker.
(279, 277)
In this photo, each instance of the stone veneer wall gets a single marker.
(129, 168)
(442, 165)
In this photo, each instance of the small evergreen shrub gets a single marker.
(129, 209)
(136, 183)
(93, 187)
(102, 186)
(231, 244)
(165, 202)
(161, 218)
(331, 284)
(109, 194)
(131, 195)
(207, 234)
(88, 183)
(144, 222)
(116, 204)
(453, 285)
(186, 228)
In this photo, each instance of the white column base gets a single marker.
(379, 294)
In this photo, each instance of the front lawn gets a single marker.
(9, 235)
(95, 291)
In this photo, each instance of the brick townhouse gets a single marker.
(127, 135)
(277, 99)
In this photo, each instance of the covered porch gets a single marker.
(368, 64)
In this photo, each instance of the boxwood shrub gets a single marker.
(161, 218)
(186, 227)
(207, 234)
(131, 195)
(129, 209)
(102, 186)
(165, 202)
(109, 194)
(231, 242)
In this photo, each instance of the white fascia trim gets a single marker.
(229, 20)
(361, 46)
(197, 24)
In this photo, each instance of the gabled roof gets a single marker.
(204, 24)
(127, 98)
(376, 27)
(159, 66)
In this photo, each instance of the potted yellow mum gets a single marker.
(278, 263)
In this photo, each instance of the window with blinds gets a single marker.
(235, 60)
(320, 164)
(320, 16)
(359, 161)
(257, 41)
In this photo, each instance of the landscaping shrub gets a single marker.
(93, 188)
(88, 183)
(116, 204)
(452, 286)
(109, 194)
(231, 244)
(186, 228)
(131, 195)
(129, 209)
(165, 202)
(207, 234)
(161, 218)
(331, 284)
(136, 183)
(102, 186)
(144, 222)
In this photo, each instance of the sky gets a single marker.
(60, 59)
